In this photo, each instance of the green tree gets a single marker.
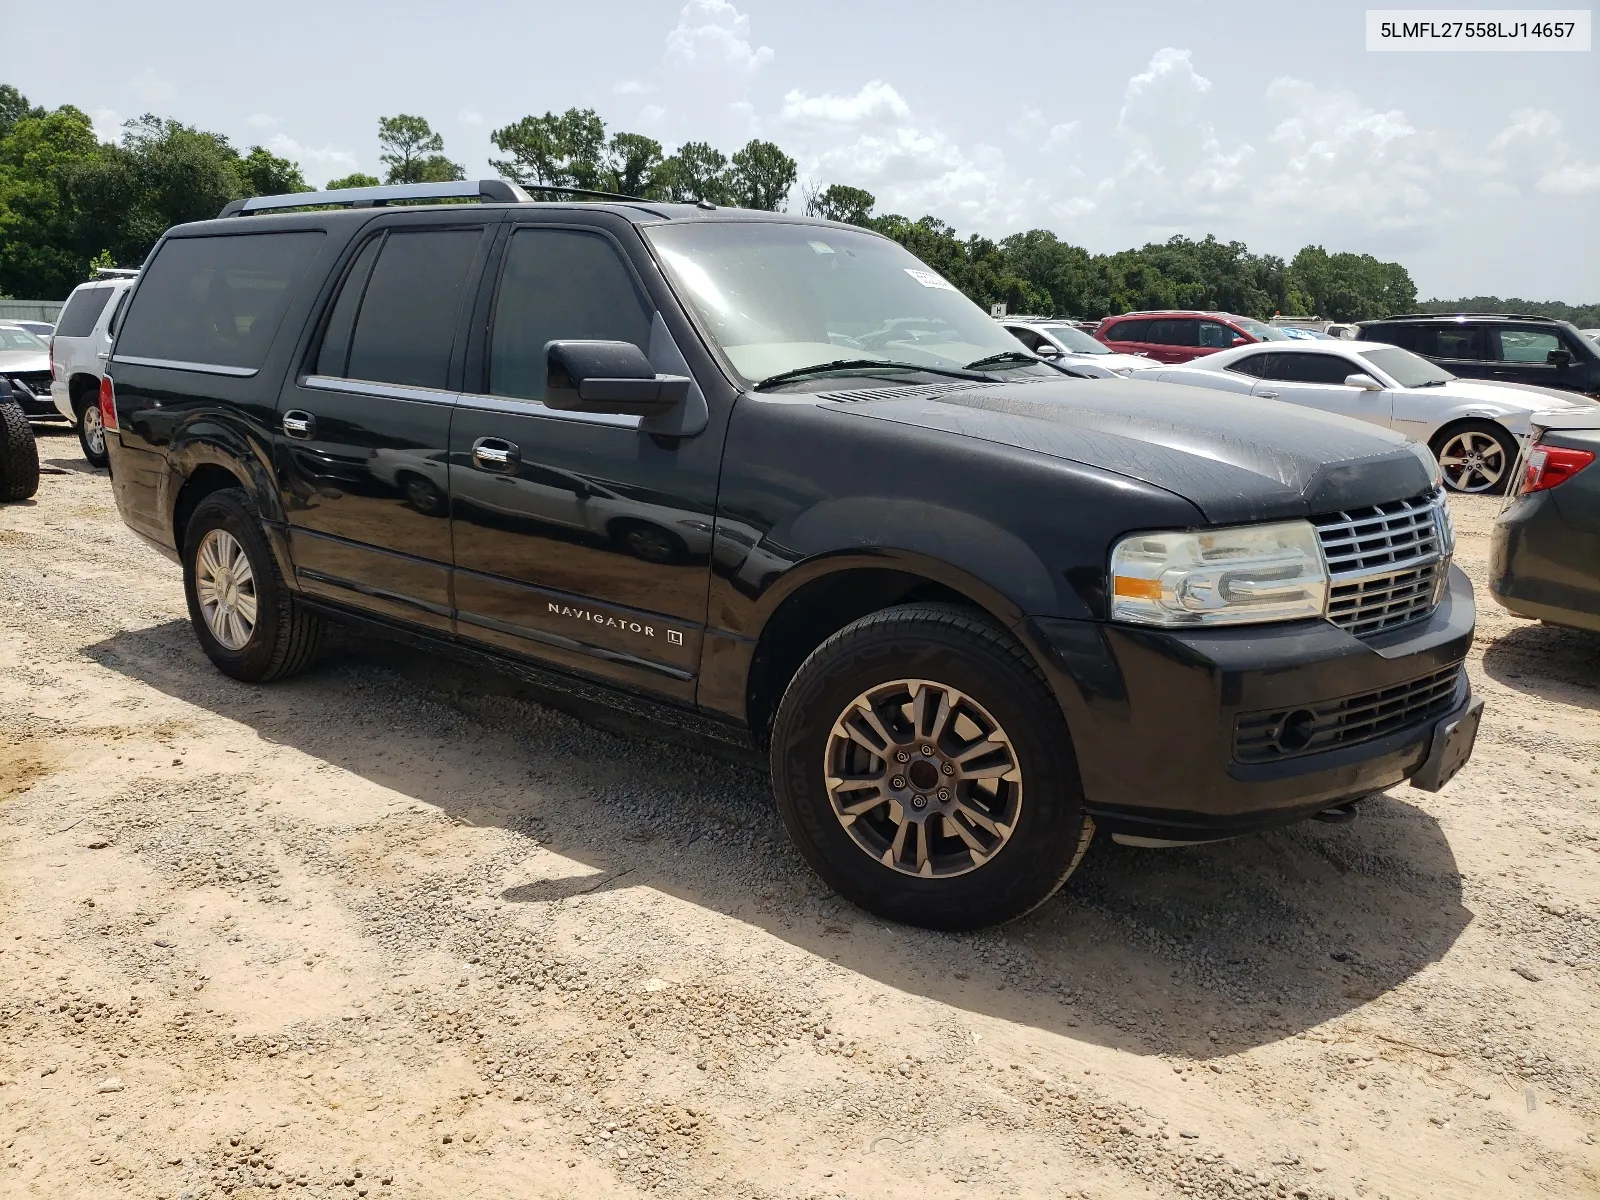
(1350, 287)
(265, 174)
(357, 180)
(568, 150)
(1584, 316)
(43, 252)
(840, 202)
(760, 176)
(698, 171)
(13, 107)
(632, 163)
(413, 152)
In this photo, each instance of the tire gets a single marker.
(956, 658)
(19, 455)
(650, 543)
(92, 435)
(423, 495)
(1485, 443)
(276, 637)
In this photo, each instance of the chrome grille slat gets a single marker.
(1348, 720)
(1384, 562)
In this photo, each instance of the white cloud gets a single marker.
(714, 33)
(326, 159)
(1533, 146)
(632, 87)
(261, 121)
(1574, 179)
(107, 123)
(875, 103)
(151, 88)
(470, 116)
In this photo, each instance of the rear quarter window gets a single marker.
(1127, 331)
(83, 309)
(216, 301)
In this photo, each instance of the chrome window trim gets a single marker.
(172, 364)
(536, 408)
(391, 391)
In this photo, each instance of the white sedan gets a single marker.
(1471, 425)
(1072, 347)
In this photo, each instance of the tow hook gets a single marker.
(1339, 814)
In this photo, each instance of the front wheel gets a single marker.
(19, 454)
(247, 621)
(924, 770)
(1476, 457)
(92, 435)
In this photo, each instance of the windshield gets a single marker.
(1076, 340)
(780, 297)
(1405, 368)
(12, 338)
(1261, 330)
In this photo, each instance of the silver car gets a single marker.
(25, 361)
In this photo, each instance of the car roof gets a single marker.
(1463, 316)
(1179, 312)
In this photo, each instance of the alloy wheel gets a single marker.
(923, 778)
(1473, 461)
(225, 585)
(94, 433)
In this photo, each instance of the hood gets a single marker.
(1124, 362)
(1518, 397)
(1237, 458)
(22, 362)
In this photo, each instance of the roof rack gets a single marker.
(489, 191)
(116, 273)
(1500, 316)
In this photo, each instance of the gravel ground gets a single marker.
(391, 929)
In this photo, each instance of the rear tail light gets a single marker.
(52, 356)
(1552, 465)
(108, 405)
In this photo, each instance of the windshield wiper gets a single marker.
(1434, 383)
(844, 364)
(1004, 356)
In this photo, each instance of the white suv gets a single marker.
(78, 351)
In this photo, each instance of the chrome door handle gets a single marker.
(1268, 395)
(493, 454)
(298, 424)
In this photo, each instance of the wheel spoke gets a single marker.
(875, 728)
(981, 820)
(246, 607)
(892, 856)
(924, 863)
(959, 829)
(931, 725)
(855, 808)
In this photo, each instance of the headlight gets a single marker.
(1219, 576)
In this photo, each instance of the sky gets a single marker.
(1111, 124)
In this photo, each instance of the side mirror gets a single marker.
(1238, 340)
(1559, 358)
(1048, 350)
(609, 377)
(1363, 381)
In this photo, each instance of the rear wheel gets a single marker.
(1476, 457)
(247, 621)
(19, 454)
(924, 770)
(92, 434)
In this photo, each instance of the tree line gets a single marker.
(69, 202)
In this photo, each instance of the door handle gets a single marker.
(494, 454)
(299, 424)
(1268, 395)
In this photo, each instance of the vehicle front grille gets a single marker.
(1347, 721)
(37, 382)
(1386, 562)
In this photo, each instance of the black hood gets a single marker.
(1237, 458)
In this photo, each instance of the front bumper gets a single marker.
(1155, 714)
(1543, 566)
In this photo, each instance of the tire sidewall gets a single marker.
(96, 458)
(1042, 848)
(226, 510)
(1508, 447)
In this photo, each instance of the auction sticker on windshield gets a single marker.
(1478, 29)
(930, 279)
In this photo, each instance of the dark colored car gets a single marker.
(1544, 558)
(774, 480)
(1535, 350)
(1180, 335)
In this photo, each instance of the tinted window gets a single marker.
(1528, 345)
(334, 356)
(1250, 364)
(114, 321)
(1076, 340)
(1127, 331)
(1454, 341)
(83, 309)
(1026, 336)
(1404, 336)
(1405, 368)
(406, 325)
(1310, 368)
(1174, 331)
(1215, 336)
(216, 300)
(559, 284)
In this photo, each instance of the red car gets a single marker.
(1177, 336)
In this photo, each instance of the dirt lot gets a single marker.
(393, 930)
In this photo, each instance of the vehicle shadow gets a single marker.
(1548, 661)
(1191, 952)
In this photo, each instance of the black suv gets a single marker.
(774, 479)
(1536, 350)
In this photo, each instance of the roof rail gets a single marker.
(493, 191)
(115, 273)
(1450, 313)
(489, 191)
